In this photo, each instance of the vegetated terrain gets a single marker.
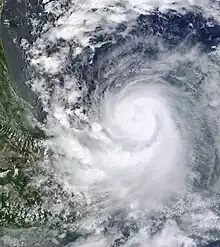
(20, 201)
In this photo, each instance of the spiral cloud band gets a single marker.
(144, 139)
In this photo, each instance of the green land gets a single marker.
(20, 137)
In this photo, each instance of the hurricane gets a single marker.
(127, 93)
